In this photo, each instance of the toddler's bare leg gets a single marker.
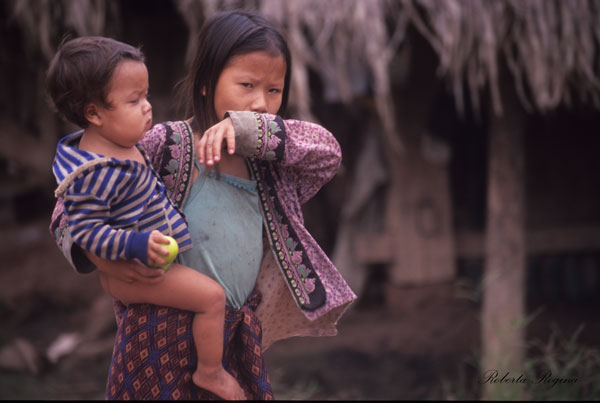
(187, 289)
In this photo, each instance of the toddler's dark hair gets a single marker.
(80, 73)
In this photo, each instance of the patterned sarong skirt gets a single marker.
(154, 355)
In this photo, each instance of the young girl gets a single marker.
(117, 207)
(244, 215)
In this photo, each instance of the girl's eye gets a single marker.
(275, 91)
(246, 85)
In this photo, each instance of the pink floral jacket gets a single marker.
(303, 294)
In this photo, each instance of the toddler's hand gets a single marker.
(211, 143)
(156, 252)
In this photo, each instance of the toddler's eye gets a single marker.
(246, 85)
(275, 91)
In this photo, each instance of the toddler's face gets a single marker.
(130, 114)
(251, 82)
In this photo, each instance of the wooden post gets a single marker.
(503, 311)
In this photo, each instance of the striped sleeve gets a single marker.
(91, 204)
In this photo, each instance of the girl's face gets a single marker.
(251, 82)
(130, 114)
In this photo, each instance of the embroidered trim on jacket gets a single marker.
(271, 137)
(290, 254)
(176, 167)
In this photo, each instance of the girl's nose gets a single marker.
(147, 106)
(259, 103)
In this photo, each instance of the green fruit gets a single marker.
(173, 249)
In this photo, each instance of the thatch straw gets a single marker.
(550, 46)
(43, 20)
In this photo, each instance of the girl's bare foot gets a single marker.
(219, 382)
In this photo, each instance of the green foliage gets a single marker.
(558, 369)
(564, 369)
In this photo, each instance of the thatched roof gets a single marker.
(551, 47)
(42, 22)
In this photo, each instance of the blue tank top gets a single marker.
(225, 224)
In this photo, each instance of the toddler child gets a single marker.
(117, 206)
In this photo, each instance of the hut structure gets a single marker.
(451, 115)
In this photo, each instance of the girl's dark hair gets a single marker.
(80, 73)
(223, 36)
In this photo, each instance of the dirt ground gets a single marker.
(415, 344)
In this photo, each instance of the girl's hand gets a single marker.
(127, 270)
(211, 143)
(156, 252)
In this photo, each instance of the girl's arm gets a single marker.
(153, 143)
(311, 155)
(306, 153)
(127, 270)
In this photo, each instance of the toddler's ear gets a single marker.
(91, 115)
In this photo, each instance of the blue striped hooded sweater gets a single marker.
(112, 205)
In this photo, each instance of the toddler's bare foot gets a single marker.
(219, 382)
